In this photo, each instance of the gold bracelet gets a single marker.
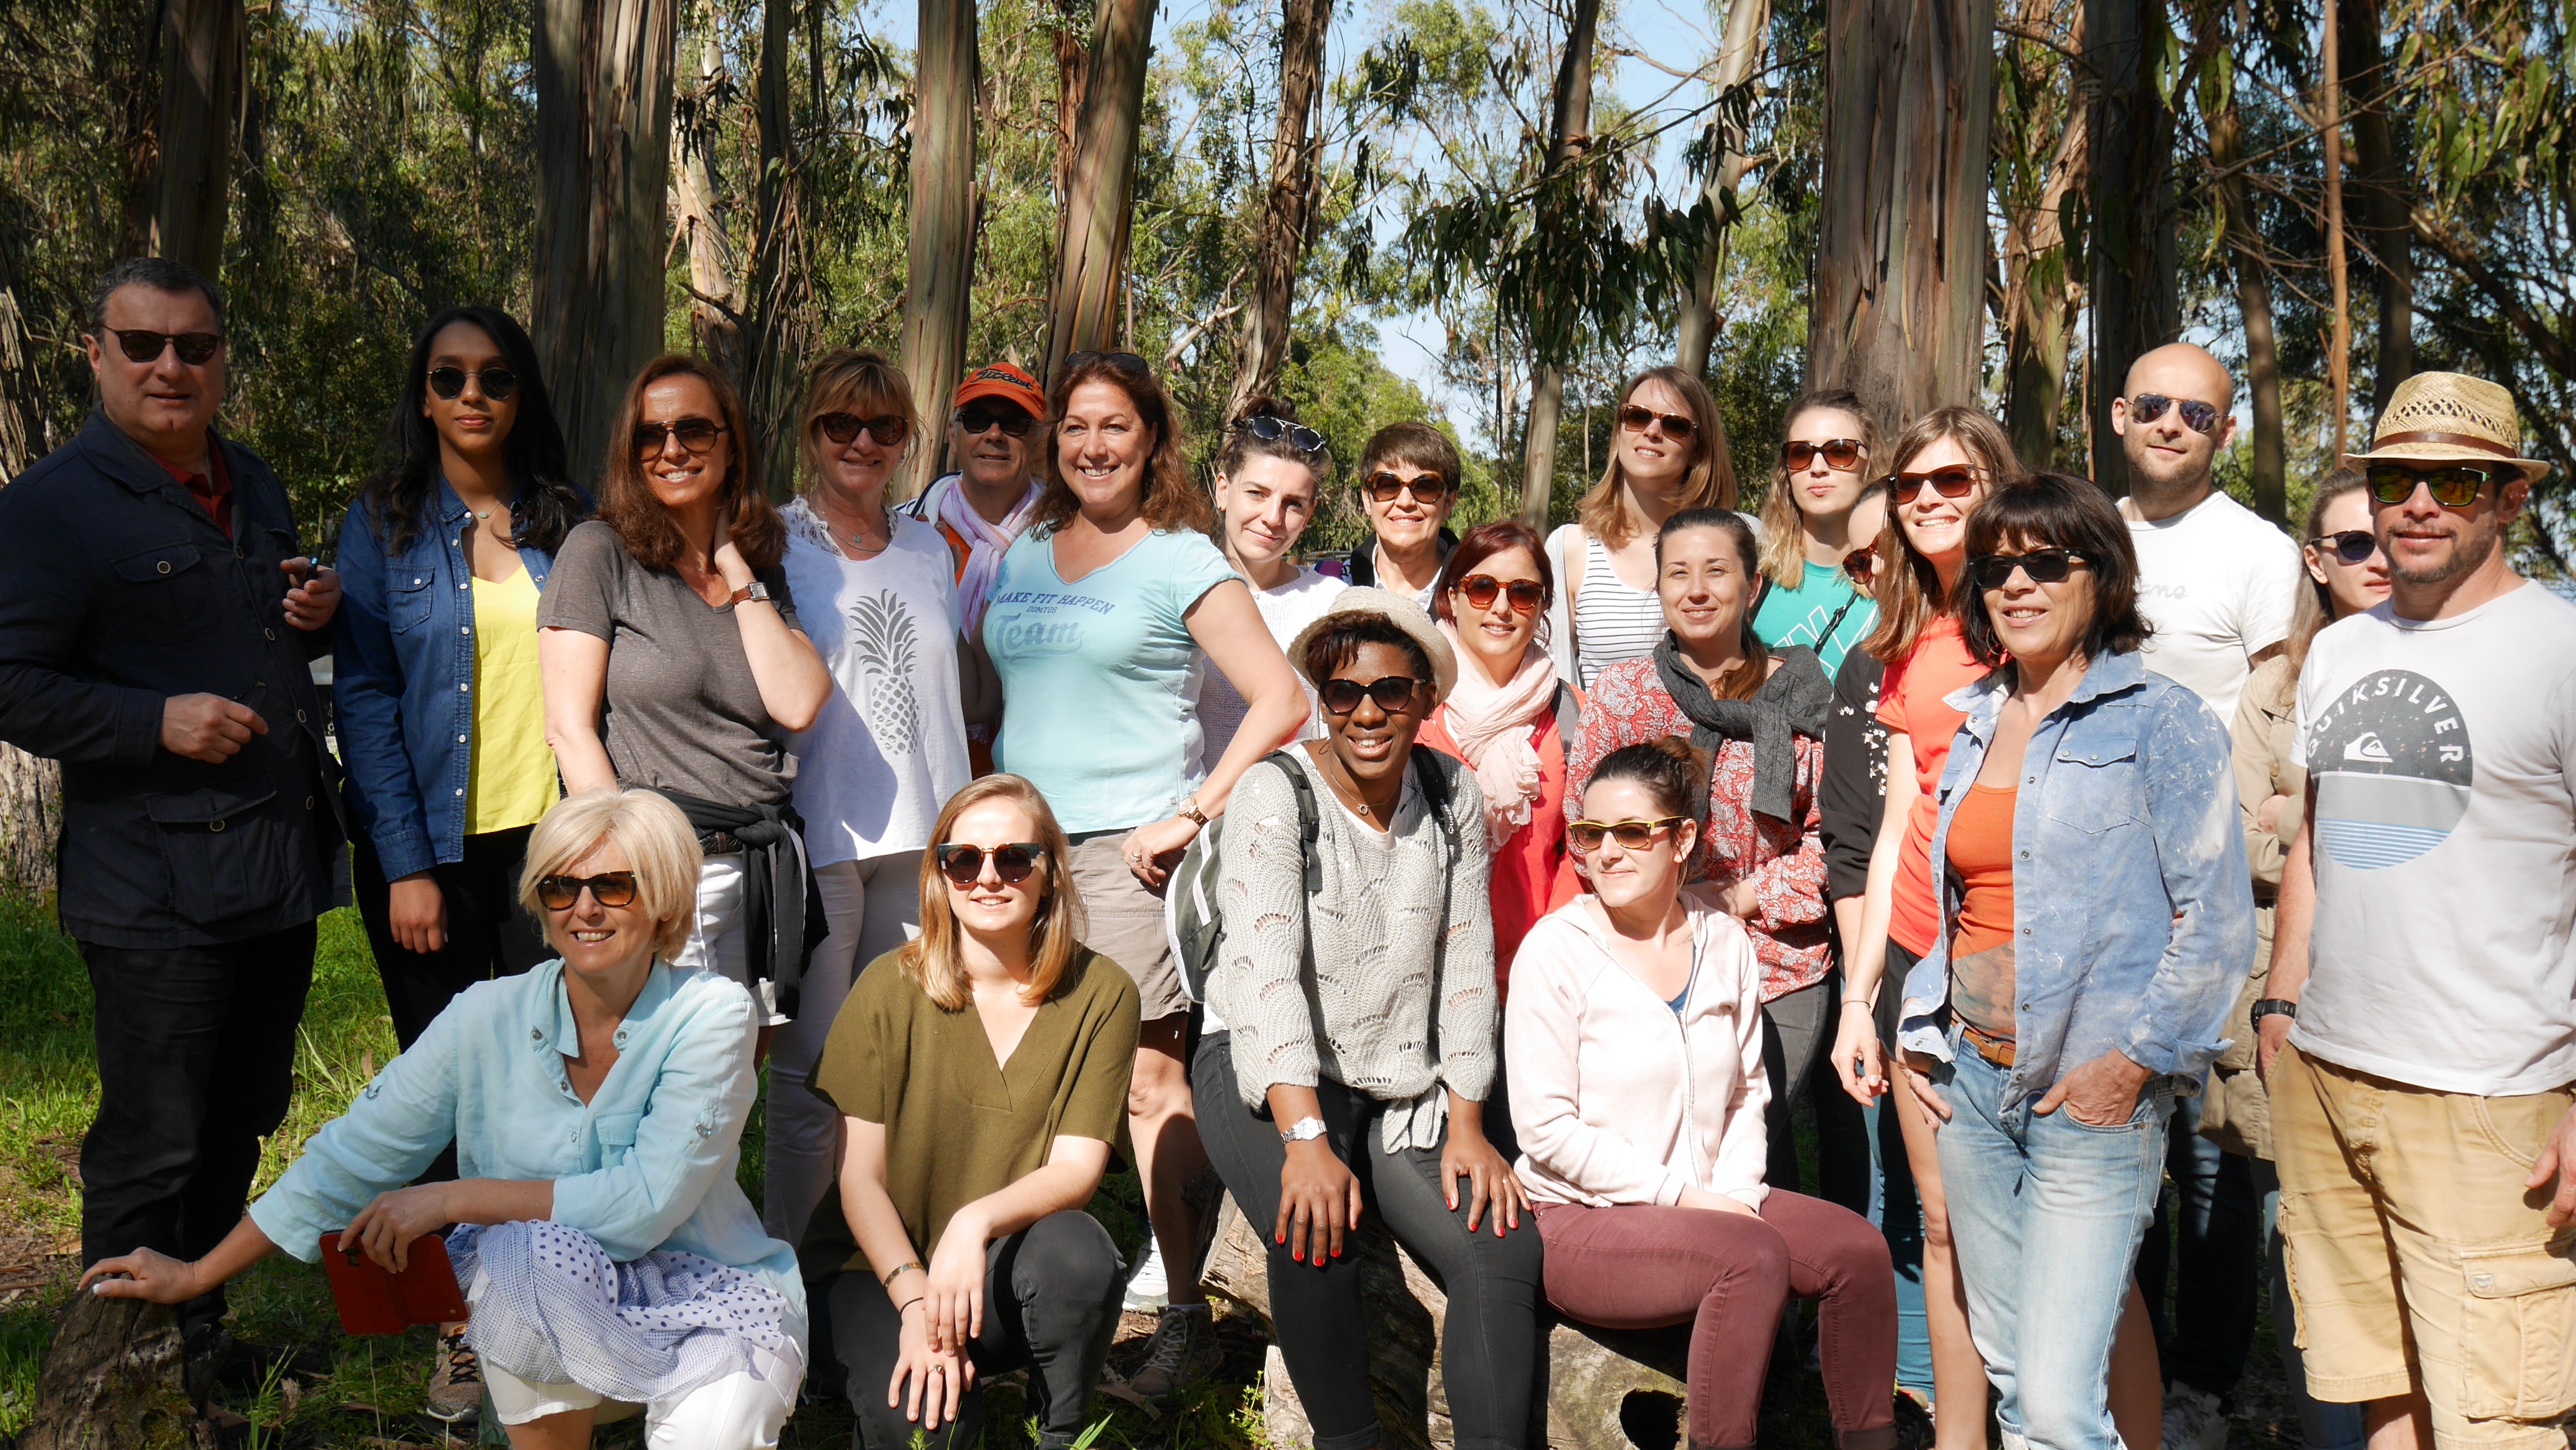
(897, 1271)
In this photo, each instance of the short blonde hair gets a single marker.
(660, 848)
(933, 960)
(851, 380)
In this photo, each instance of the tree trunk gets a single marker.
(202, 59)
(115, 1375)
(602, 71)
(943, 228)
(2385, 196)
(2041, 303)
(2244, 239)
(1738, 52)
(717, 306)
(1285, 221)
(2339, 319)
(2133, 286)
(1091, 267)
(1899, 314)
(1568, 130)
(31, 788)
(781, 324)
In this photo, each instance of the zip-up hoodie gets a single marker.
(1617, 1098)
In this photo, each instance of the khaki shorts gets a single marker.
(2417, 1258)
(1123, 921)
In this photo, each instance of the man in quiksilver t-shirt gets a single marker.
(2423, 1038)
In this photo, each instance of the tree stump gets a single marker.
(1591, 1386)
(115, 1379)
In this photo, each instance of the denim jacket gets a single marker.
(402, 684)
(2133, 914)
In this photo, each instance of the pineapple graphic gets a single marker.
(882, 635)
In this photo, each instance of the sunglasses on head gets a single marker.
(1123, 361)
(1394, 694)
(611, 888)
(1525, 594)
(2454, 485)
(1638, 419)
(1951, 482)
(889, 429)
(1383, 486)
(963, 865)
(1631, 835)
(497, 383)
(696, 435)
(2044, 566)
(1860, 564)
(1842, 453)
(2198, 416)
(143, 345)
(975, 422)
(1271, 430)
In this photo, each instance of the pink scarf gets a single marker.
(1497, 728)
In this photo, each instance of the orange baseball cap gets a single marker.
(1001, 380)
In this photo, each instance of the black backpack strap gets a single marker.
(1569, 718)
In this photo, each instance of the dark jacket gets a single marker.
(1852, 796)
(1359, 570)
(117, 591)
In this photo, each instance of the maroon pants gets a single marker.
(1637, 1266)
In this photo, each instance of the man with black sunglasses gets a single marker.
(157, 620)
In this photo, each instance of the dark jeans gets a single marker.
(1797, 1032)
(1050, 1306)
(196, 1058)
(2210, 1333)
(1489, 1339)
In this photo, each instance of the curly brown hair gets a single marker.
(628, 504)
(1172, 501)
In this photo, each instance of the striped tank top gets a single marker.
(1612, 622)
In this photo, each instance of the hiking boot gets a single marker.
(456, 1386)
(1184, 1351)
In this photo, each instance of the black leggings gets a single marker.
(1050, 1305)
(1489, 1341)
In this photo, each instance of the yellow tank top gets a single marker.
(513, 771)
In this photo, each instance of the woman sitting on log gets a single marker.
(1637, 1091)
(596, 1101)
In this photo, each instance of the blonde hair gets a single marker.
(1909, 586)
(1710, 484)
(933, 959)
(1784, 529)
(660, 848)
(848, 380)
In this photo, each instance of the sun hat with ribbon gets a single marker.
(2451, 418)
(1397, 610)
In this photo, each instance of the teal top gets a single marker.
(1824, 613)
(648, 1164)
(1100, 677)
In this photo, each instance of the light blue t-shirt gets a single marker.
(1824, 613)
(1100, 678)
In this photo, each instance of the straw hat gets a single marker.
(2451, 418)
(1397, 610)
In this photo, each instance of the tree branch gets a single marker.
(2557, 351)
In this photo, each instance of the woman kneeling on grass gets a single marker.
(597, 1101)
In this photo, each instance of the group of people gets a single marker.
(1072, 813)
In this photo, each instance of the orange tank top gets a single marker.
(1980, 849)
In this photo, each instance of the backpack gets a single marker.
(1192, 924)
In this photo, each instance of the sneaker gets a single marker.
(1184, 1351)
(2193, 1420)
(1147, 1287)
(456, 1386)
(1913, 1421)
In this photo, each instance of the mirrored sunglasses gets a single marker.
(2198, 416)
(2454, 485)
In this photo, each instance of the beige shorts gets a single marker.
(2416, 1256)
(1123, 921)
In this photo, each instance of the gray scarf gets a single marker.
(1795, 700)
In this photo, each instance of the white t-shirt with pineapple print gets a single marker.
(889, 748)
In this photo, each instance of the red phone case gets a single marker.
(373, 1300)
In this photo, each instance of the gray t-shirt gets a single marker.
(683, 712)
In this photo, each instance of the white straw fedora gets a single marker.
(2451, 418)
(1397, 610)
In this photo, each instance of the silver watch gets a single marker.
(1302, 1130)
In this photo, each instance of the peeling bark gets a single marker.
(1289, 213)
(942, 255)
(1100, 186)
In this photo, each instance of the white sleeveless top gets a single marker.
(1612, 622)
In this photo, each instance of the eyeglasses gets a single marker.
(2044, 566)
(613, 888)
(1860, 564)
(2198, 416)
(1394, 694)
(974, 422)
(1383, 486)
(1271, 430)
(1631, 835)
(1952, 482)
(497, 383)
(696, 435)
(2454, 485)
(144, 345)
(889, 429)
(1637, 420)
(2353, 546)
(1525, 594)
(1124, 361)
(963, 865)
(1842, 453)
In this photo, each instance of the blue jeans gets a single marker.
(2047, 1214)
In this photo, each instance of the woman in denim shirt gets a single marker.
(597, 1102)
(2096, 924)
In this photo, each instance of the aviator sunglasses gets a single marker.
(1842, 453)
(2044, 566)
(963, 865)
(1631, 835)
(449, 383)
(889, 429)
(613, 888)
(1393, 694)
(2198, 416)
(2454, 486)
(1525, 594)
(2353, 546)
(143, 345)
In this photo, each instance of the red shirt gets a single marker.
(213, 490)
(1532, 874)
(1911, 699)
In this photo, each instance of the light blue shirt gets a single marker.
(648, 1164)
(2133, 910)
(1100, 678)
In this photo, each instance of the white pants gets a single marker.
(872, 906)
(719, 942)
(738, 1412)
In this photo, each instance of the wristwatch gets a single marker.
(2274, 1007)
(1191, 813)
(753, 592)
(1302, 1130)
